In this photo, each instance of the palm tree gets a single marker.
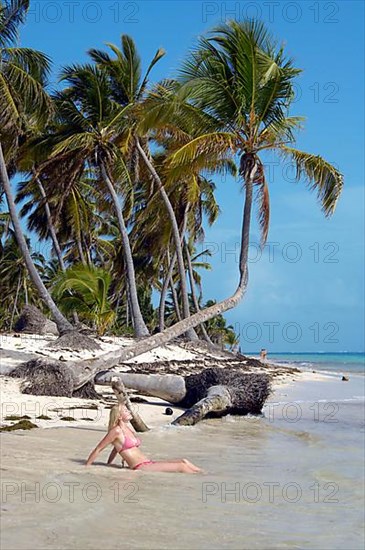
(129, 89)
(90, 129)
(23, 73)
(243, 87)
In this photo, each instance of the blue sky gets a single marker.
(306, 290)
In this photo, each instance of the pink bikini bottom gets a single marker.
(145, 463)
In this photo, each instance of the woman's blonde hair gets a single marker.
(114, 416)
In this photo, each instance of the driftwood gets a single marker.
(218, 400)
(212, 392)
(169, 387)
(122, 396)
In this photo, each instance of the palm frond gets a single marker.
(278, 130)
(12, 14)
(197, 152)
(321, 176)
(263, 203)
(82, 141)
(10, 114)
(158, 55)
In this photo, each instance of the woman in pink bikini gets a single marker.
(122, 437)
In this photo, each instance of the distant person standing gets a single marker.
(263, 355)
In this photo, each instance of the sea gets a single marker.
(341, 362)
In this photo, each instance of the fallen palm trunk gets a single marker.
(214, 391)
(170, 387)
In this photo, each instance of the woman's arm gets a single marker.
(109, 438)
(112, 455)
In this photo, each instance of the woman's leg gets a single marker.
(182, 465)
(191, 465)
(186, 461)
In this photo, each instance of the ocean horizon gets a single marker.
(335, 362)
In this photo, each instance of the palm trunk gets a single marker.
(139, 325)
(127, 309)
(176, 235)
(88, 255)
(169, 387)
(51, 228)
(15, 301)
(165, 286)
(77, 231)
(168, 282)
(218, 400)
(62, 323)
(89, 368)
(175, 300)
(79, 248)
(246, 224)
(193, 293)
(25, 290)
(52, 232)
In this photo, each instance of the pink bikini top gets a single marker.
(130, 443)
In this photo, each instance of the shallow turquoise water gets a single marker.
(343, 362)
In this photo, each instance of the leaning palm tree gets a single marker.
(23, 74)
(244, 85)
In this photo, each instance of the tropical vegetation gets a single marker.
(114, 176)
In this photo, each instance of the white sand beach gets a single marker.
(16, 349)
